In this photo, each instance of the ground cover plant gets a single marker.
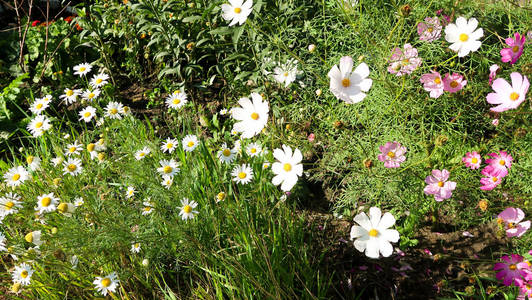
(266, 149)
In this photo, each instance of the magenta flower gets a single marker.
(472, 160)
(492, 180)
(525, 289)
(404, 62)
(506, 95)
(432, 83)
(430, 30)
(513, 53)
(439, 186)
(512, 218)
(509, 271)
(453, 83)
(493, 72)
(499, 162)
(393, 154)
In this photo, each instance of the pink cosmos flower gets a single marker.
(506, 95)
(393, 154)
(404, 62)
(513, 53)
(453, 83)
(430, 30)
(499, 162)
(509, 271)
(512, 218)
(439, 186)
(493, 72)
(525, 289)
(432, 83)
(472, 160)
(492, 180)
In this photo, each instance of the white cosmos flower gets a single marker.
(34, 237)
(38, 106)
(286, 73)
(348, 85)
(190, 142)
(252, 116)
(288, 167)
(106, 284)
(22, 274)
(242, 174)
(253, 149)
(168, 167)
(34, 162)
(87, 114)
(169, 145)
(112, 110)
(187, 209)
(463, 36)
(72, 166)
(99, 80)
(70, 95)
(237, 11)
(46, 203)
(9, 204)
(16, 176)
(91, 95)
(74, 149)
(226, 155)
(82, 69)
(142, 153)
(373, 235)
(39, 125)
(176, 100)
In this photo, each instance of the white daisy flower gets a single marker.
(38, 106)
(223, 111)
(72, 166)
(9, 204)
(142, 153)
(126, 111)
(220, 196)
(187, 209)
(237, 11)
(99, 80)
(22, 274)
(266, 165)
(135, 248)
(190, 142)
(82, 69)
(100, 145)
(3, 242)
(253, 149)
(39, 125)
(168, 167)
(252, 116)
(34, 162)
(57, 161)
(287, 73)
(169, 145)
(167, 181)
(373, 235)
(16, 176)
(226, 155)
(112, 110)
(106, 284)
(348, 85)
(242, 174)
(70, 96)
(34, 237)
(66, 208)
(130, 192)
(148, 208)
(91, 95)
(78, 201)
(91, 148)
(463, 36)
(74, 149)
(287, 168)
(87, 114)
(176, 100)
(46, 203)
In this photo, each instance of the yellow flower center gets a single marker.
(287, 167)
(187, 209)
(255, 116)
(114, 111)
(24, 274)
(38, 125)
(90, 147)
(16, 287)
(45, 202)
(495, 179)
(167, 169)
(69, 93)
(453, 84)
(474, 160)
(502, 162)
(226, 152)
(29, 237)
(237, 10)
(511, 225)
(440, 183)
(72, 167)
(190, 144)
(391, 154)
(514, 96)
(437, 80)
(142, 154)
(169, 145)
(39, 106)
(101, 156)
(405, 61)
(346, 82)
(62, 208)
(515, 49)
(98, 81)
(9, 205)
(106, 282)
(253, 150)
(242, 175)
(176, 101)
(72, 149)
(220, 196)
(16, 177)
(430, 29)
(87, 114)
(373, 233)
(91, 95)
(285, 74)
(147, 208)
(82, 69)
(463, 37)
(512, 267)
(29, 159)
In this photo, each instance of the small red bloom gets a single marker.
(35, 23)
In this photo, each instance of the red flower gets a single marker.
(69, 19)
(79, 28)
(35, 23)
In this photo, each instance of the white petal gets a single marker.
(372, 248)
(390, 235)
(387, 221)
(363, 220)
(362, 70)
(374, 216)
(386, 248)
(346, 65)
(358, 231)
